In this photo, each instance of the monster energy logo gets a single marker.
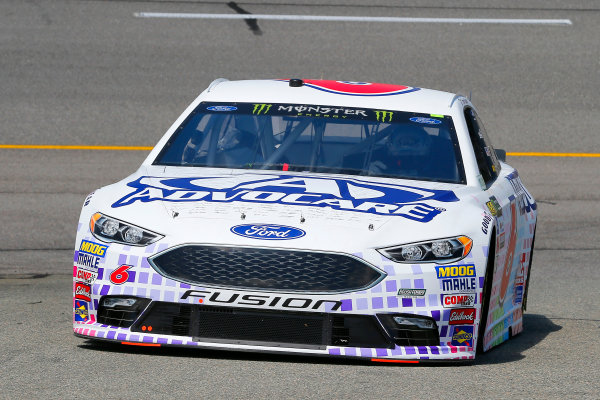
(382, 115)
(261, 108)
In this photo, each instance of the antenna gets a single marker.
(470, 94)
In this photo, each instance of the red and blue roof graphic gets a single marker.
(350, 88)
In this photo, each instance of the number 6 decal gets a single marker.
(120, 275)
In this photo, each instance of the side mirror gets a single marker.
(501, 154)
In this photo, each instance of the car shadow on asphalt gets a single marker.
(536, 328)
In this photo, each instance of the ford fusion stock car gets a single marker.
(314, 217)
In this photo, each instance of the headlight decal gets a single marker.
(110, 229)
(440, 251)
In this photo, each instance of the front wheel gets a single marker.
(487, 291)
(524, 305)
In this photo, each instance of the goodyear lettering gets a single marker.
(92, 248)
(382, 115)
(486, 223)
(261, 108)
(448, 271)
(261, 300)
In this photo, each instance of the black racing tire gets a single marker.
(524, 303)
(487, 290)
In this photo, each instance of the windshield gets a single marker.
(317, 138)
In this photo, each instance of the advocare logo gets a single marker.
(268, 232)
(354, 195)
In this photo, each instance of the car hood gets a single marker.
(334, 212)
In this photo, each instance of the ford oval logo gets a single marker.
(268, 232)
(421, 120)
(221, 108)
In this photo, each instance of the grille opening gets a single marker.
(262, 327)
(120, 315)
(358, 331)
(266, 269)
(410, 335)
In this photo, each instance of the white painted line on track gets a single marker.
(340, 18)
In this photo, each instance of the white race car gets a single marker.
(311, 217)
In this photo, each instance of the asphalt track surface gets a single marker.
(91, 73)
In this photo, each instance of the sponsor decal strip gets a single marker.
(458, 300)
(462, 336)
(92, 248)
(461, 316)
(452, 271)
(412, 292)
(83, 291)
(85, 276)
(81, 311)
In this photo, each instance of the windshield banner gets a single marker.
(304, 110)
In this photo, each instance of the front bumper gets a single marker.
(349, 324)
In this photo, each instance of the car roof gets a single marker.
(334, 93)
